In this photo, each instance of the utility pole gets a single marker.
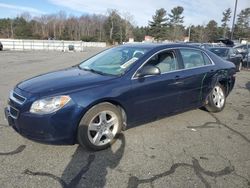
(11, 29)
(235, 8)
(189, 33)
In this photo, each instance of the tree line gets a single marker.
(115, 27)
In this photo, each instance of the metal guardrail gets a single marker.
(56, 45)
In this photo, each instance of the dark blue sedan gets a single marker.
(92, 102)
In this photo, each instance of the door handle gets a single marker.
(177, 82)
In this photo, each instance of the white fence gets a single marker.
(56, 45)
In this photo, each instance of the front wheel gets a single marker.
(216, 99)
(99, 126)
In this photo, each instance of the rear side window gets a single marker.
(194, 58)
(206, 59)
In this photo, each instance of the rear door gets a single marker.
(195, 78)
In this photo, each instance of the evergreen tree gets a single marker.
(242, 27)
(158, 25)
(140, 33)
(212, 31)
(175, 16)
(21, 28)
(225, 20)
(176, 20)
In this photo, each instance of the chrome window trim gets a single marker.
(176, 48)
(15, 99)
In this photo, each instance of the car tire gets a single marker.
(99, 127)
(216, 99)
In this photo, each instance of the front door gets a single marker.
(157, 94)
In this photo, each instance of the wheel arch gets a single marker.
(224, 83)
(223, 77)
(112, 101)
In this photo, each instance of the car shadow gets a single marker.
(89, 169)
(86, 168)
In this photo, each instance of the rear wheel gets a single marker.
(99, 126)
(216, 99)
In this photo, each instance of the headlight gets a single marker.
(49, 105)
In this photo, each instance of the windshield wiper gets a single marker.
(96, 71)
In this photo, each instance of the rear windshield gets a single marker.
(222, 52)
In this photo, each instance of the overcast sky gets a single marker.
(195, 11)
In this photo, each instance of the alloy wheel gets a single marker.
(218, 97)
(103, 128)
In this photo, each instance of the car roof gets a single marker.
(160, 45)
(220, 47)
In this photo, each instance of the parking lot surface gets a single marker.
(191, 149)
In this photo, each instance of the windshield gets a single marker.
(114, 61)
(222, 52)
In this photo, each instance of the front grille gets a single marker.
(14, 112)
(17, 98)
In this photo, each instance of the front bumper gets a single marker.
(56, 128)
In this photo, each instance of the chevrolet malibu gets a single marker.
(92, 102)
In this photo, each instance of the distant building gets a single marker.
(148, 38)
(131, 40)
(186, 39)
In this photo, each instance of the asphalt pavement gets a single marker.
(191, 149)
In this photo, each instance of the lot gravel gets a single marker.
(191, 149)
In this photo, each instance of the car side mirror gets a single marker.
(148, 70)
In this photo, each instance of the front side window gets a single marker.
(165, 61)
(114, 61)
(193, 58)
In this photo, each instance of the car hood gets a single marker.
(63, 81)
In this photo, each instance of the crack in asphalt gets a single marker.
(16, 151)
(73, 183)
(242, 177)
(62, 182)
(198, 170)
(231, 129)
(218, 122)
